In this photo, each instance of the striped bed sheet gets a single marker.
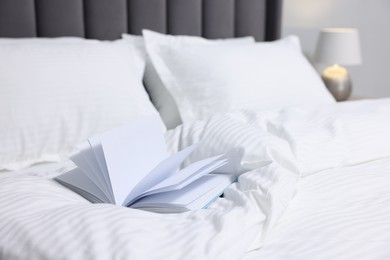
(337, 214)
(314, 186)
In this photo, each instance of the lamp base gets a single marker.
(338, 82)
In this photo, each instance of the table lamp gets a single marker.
(337, 46)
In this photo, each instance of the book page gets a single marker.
(77, 181)
(131, 152)
(86, 161)
(97, 148)
(224, 181)
(187, 175)
(226, 163)
(161, 172)
(189, 194)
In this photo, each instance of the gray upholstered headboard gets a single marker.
(108, 19)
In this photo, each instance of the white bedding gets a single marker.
(336, 214)
(342, 150)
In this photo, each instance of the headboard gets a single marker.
(108, 19)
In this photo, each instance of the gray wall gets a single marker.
(371, 17)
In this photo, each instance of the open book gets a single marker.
(129, 166)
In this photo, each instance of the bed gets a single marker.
(315, 173)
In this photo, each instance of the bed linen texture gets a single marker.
(159, 94)
(207, 78)
(55, 93)
(336, 214)
(40, 219)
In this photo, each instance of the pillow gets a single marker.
(205, 79)
(56, 93)
(159, 95)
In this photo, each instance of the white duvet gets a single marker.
(336, 214)
(40, 219)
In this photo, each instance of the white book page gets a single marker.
(97, 148)
(185, 196)
(227, 163)
(204, 201)
(131, 152)
(76, 180)
(164, 170)
(187, 175)
(86, 161)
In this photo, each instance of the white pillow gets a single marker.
(159, 95)
(56, 93)
(205, 79)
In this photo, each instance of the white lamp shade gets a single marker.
(338, 46)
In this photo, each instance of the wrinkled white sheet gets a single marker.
(337, 214)
(39, 219)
